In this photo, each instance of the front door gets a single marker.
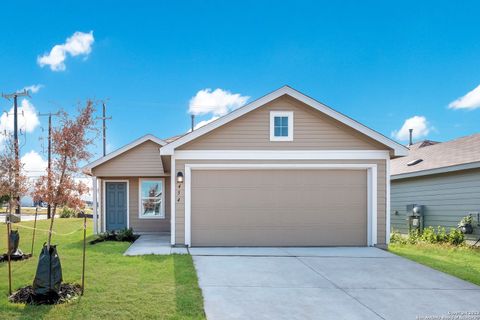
(116, 205)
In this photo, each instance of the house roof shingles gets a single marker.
(439, 155)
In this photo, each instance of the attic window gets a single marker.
(281, 125)
(414, 162)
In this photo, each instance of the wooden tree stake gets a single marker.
(34, 228)
(8, 255)
(84, 248)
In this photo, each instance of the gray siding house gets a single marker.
(442, 177)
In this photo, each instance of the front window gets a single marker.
(281, 125)
(152, 198)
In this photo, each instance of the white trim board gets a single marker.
(95, 204)
(399, 150)
(163, 213)
(104, 206)
(388, 203)
(290, 129)
(88, 168)
(173, 199)
(371, 181)
(282, 155)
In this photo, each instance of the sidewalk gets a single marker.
(153, 244)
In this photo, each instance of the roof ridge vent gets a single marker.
(427, 143)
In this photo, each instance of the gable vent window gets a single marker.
(414, 162)
(281, 126)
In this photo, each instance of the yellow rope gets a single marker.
(45, 230)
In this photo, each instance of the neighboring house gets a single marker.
(284, 170)
(443, 177)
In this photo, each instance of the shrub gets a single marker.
(67, 213)
(413, 236)
(429, 235)
(396, 237)
(125, 235)
(456, 237)
(122, 235)
(442, 235)
(465, 221)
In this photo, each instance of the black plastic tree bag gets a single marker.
(14, 240)
(48, 277)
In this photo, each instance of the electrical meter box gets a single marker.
(415, 217)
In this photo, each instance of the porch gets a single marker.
(157, 243)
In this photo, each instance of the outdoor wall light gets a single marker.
(179, 177)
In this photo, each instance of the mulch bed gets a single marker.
(26, 295)
(113, 237)
(4, 257)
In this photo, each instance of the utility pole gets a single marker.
(49, 166)
(15, 96)
(104, 118)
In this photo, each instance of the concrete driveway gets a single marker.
(325, 283)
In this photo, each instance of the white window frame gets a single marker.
(288, 114)
(162, 208)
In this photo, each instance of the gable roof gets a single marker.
(459, 154)
(399, 150)
(148, 137)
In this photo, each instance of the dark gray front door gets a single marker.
(116, 205)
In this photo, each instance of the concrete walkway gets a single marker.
(153, 244)
(325, 283)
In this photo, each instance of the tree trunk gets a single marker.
(51, 226)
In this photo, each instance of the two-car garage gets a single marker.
(288, 206)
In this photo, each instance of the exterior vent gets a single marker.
(414, 162)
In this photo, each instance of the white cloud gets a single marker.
(34, 88)
(33, 164)
(469, 101)
(79, 43)
(420, 126)
(203, 122)
(27, 119)
(217, 102)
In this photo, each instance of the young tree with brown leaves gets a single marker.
(70, 142)
(13, 181)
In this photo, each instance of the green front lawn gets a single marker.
(462, 262)
(116, 287)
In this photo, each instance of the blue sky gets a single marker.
(379, 62)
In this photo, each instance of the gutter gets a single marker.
(459, 167)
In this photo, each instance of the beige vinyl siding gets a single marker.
(381, 191)
(446, 199)
(142, 225)
(142, 160)
(313, 130)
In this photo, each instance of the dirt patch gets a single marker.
(67, 293)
